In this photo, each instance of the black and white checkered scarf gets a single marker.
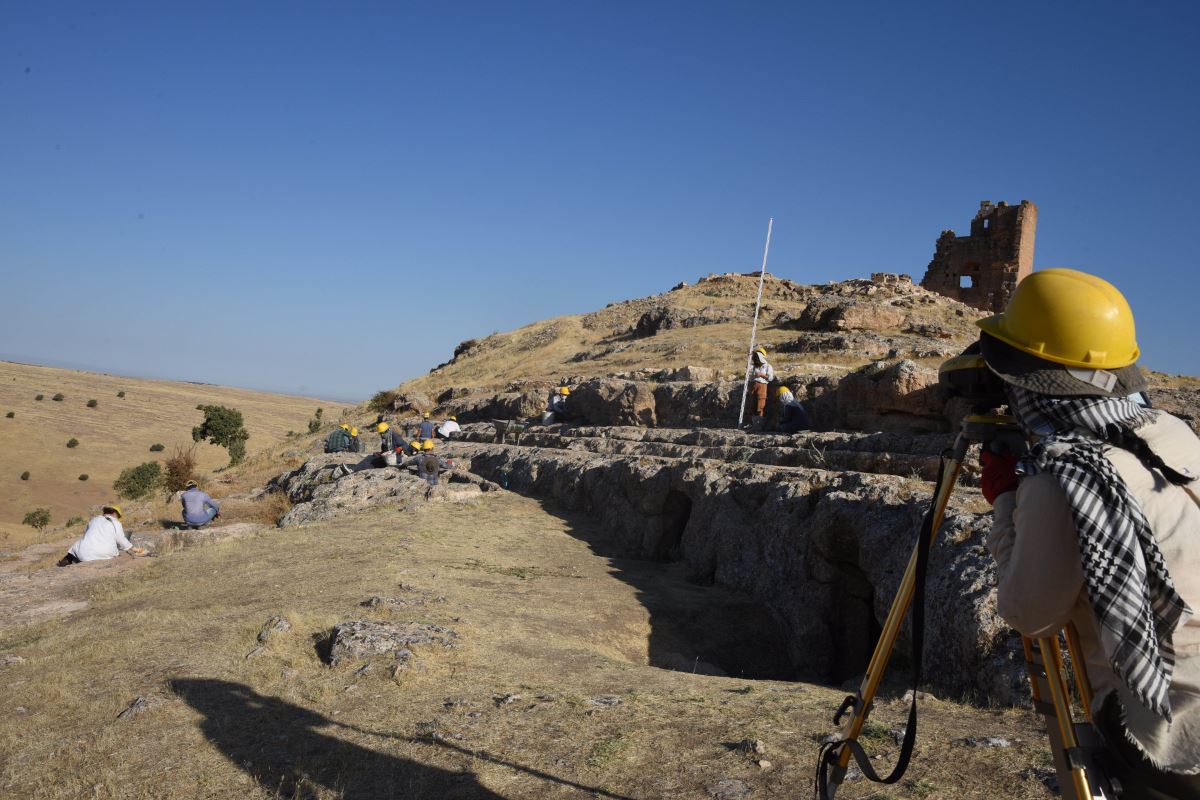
(1130, 590)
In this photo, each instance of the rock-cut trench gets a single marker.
(766, 572)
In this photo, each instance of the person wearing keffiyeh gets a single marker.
(1099, 525)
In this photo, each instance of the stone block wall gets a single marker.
(984, 268)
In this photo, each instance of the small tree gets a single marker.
(223, 427)
(39, 397)
(121, 393)
(381, 402)
(73, 521)
(92, 403)
(83, 477)
(140, 481)
(39, 518)
(314, 424)
(25, 475)
(58, 398)
(10, 414)
(157, 447)
(181, 468)
(72, 442)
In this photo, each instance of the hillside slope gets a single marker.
(116, 434)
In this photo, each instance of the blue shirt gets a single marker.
(194, 506)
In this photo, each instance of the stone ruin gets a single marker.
(984, 268)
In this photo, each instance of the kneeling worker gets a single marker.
(1099, 525)
(449, 428)
(792, 416)
(198, 508)
(338, 440)
(104, 538)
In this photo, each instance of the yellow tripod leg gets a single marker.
(895, 618)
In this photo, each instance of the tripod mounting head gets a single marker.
(998, 433)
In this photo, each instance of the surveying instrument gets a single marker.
(1075, 745)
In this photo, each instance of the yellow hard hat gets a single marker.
(781, 391)
(454, 418)
(563, 390)
(382, 427)
(427, 444)
(425, 415)
(1070, 318)
(344, 426)
(761, 349)
(354, 431)
(115, 509)
(190, 485)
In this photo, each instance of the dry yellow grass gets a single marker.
(115, 435)
(542, 614)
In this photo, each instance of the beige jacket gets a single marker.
(1040, 584)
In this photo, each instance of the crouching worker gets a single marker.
(338, 440)
(198, 508)
(1099, 525)
(556, 406)
(792, 416)
(449, 429)
(104, 538)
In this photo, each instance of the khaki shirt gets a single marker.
(1040, 586)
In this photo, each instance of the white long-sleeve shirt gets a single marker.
(449, 427)
(104, 538)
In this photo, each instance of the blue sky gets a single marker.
(326, 198)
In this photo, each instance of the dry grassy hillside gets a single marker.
(116, 434)
(708, 325)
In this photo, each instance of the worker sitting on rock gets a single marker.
(425, 431)
(104, 538)
(198, 508)
(390, 442)
(449, 429)
(556, 408)
(338, 440)
(355, 442)
(1099, 525)
(761, 374)
(792, 416)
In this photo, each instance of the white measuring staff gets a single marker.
(754, 330)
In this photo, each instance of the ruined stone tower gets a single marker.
(983, 269)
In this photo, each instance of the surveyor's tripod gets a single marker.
(1074, 744)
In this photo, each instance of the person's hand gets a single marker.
(137, 551)
(999, 475)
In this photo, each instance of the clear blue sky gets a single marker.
(327, 197)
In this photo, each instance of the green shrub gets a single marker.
(10, 415)
(121, 393)
(223, 427)
(92, 403)
(140, 481)
(25, 475)
(83, 477)
(58, 398)
(72, 442)
(381, 402)
(73, 521)
(39, 518)
(181, 468)
(39, 397)
(314, 424)
(157, 447)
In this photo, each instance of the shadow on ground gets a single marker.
(281, 746)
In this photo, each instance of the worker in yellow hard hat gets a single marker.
(428, 464)
(761, 375)
(1099, 524)
(556, 407)
(425, 430)
(449, 429)
(338, 440)
(792, 416)
(355, 442)
(103, 538)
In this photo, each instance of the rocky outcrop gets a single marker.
(320, 489)
(898, 396)
(614, 402)
(824, 550)
(360, 640)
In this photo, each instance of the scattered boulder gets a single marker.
(896, 396)
(136, 706)
(357, 640)
(274, 625)
(729, 789)
(613, 402)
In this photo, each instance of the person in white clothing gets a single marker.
(449, 428)
(761, 374)
(103, 539)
